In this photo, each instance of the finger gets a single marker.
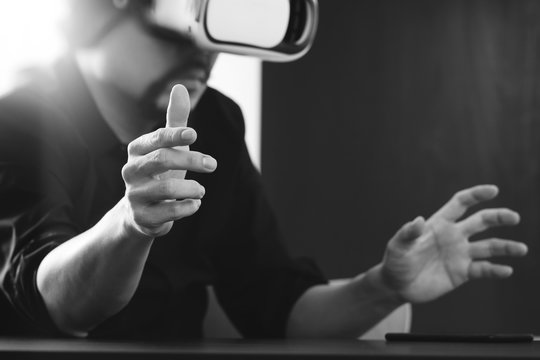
(488, 218)
(162, 138)
(169, 189)
(179, 107)
(487, 270)
(488, 248)
(165, 211)
(163, 160)
(464, 199)
(410, 231)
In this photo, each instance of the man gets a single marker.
(119, 214)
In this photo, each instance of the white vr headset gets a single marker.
(273, 30)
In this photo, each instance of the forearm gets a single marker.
(94, 275)
(345, 308)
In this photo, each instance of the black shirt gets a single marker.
(60, 172)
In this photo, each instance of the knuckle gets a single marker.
(133, 169)
(491, 250)
(164, 136)
(459, 196)
(475, 198)
(171, 211)
(166, 188)
(464, 197)
(196, 188)
(191, 184)
(157, 136)
(194, 205)
(468, 197)
(126, 172)
(460, 193)
(491, 217)
(193, 160)
(157, 156)
(499, 217)
(132, 196)
(132, 147)
(186, 208)
(175, 212)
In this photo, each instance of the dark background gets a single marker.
(398, 105)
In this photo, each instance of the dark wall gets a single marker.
(399, 105)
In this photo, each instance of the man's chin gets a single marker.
(162, 101)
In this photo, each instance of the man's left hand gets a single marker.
(427, 259)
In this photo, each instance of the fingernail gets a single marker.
(188, 134)
(203, 191)
(209, 163)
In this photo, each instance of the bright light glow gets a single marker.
(240, 78)
(29, 35)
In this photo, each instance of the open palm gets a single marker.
(427, 259)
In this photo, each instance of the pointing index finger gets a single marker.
(179, 107)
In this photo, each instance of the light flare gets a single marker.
(29, 35)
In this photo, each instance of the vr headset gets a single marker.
(272, 30)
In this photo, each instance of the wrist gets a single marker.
(375, 282)
(121, 215)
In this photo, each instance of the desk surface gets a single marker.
(11, 348)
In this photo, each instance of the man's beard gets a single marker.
(153, 99)
(156, 98)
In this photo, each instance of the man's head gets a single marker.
(160, 42)
(273, 30)
(129, 53)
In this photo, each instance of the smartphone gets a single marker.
(460, 337)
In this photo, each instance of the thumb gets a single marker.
(179, 107)
(410, 231)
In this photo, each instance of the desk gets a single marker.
(246, 349)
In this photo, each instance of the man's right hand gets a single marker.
(157, 192)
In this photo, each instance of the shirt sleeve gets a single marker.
(33, 219)
(259, 282)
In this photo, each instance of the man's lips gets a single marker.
(192, 85)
